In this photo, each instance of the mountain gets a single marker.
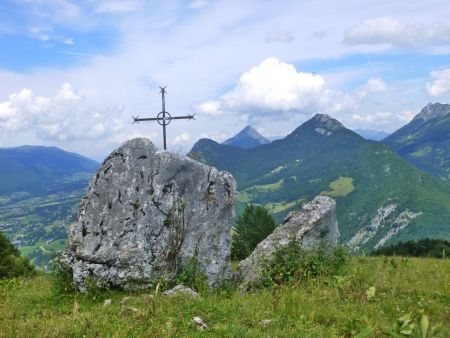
(40, 188)
(247, 138)
(425, 141)
(36, 169)
(373, 135)
(380, 197)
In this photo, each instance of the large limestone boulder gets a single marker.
(313, 227)
(145, 211)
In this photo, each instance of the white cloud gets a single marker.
(386, 30)
(197, 4)
(216, 136)
(64, 118)
(118, 6)
(405, 116)
(440, 83)
(383, 119)
(375, 118)
(182, 138)
(280, 36)
(68, 41)
(274, 86)
(373, 85)
(211, 108)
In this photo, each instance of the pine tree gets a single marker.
(252, 226)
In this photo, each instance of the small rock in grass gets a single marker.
(199, 323)
(265, 322)
(125, 300)
(107, 302)
(127, 311)
(181, 289)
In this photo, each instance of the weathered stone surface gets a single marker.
(183, 290)
(312, 227)
(144, 211)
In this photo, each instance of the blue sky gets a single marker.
(73, 72)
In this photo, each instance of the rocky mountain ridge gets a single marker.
(380, 197)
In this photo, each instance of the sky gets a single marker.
(73, 73)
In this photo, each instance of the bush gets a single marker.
(433, 248)
(62, 277)
(190, 274)
(292, 264)
(11, 264)
(252, 226)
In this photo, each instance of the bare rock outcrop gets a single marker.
(312, 227)
(144, 213)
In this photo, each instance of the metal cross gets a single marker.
(163, 118)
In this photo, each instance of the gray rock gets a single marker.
(181, 289)
(145, 211)
(125, 300)
(199, 323)
(107, 302)
(312, 227)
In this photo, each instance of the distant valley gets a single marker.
(40, 188)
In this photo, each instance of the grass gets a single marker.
(340, 187)
(25, 250)
(247, 194)
(280, 206)
(422, 152)
(368, 298)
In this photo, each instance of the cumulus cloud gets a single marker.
(405, 116)
(386, 30)
(377, 118)
(182, 138)
(373, 85)
(281, 36)
(277, 87)
(216, 136)
(211, 108)
(440, 83)
(65, 117)
(384, 118)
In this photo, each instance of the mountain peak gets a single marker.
(247, 138)
(324, 124)
(433, 110)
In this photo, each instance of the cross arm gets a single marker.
(188, 117)
(137, 119)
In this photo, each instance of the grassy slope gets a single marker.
(320, 308)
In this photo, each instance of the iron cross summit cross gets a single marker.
(164, 118)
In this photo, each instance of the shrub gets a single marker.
(190, 274)
(293, 264)
(11, 263)
(252, 226)
(62, 276)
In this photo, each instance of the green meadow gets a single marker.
(372, 297)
